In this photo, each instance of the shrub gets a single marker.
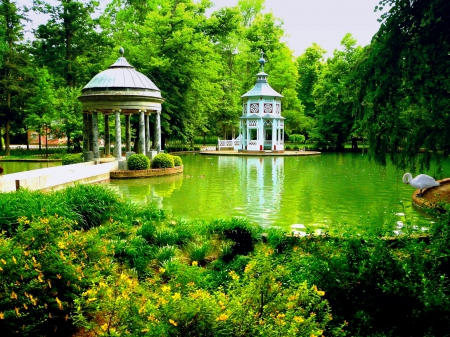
(138, 162)
(163, 160)
(72, 158)
(240, 231)
(287, 148)
(198, 251)
(177, 161)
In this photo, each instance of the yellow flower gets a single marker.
(25, 306)
(1, 269)
(194, 263)
(162, 270)
(104, 327)
(2, 315)
(222, 317)
(145, 330)
(165, 289)
(279, 316)
(151, 318)
(171, 321)
(176, 296)
(233, 275)
(321, 293)
(14, 260)
(3, 261)
(17, 311)
(13, 296)
(60, 306)
(191, 284)
(92, 299)
(299, 319)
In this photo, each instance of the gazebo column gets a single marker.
(85, 136)
(91, 140)
(118, 147)
(274, 134)
(141, 132)
(107, 137)
(158, 131)
(95, 135)
(128, 132)
(147, 133)
(261, 134)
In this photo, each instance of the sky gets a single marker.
(324, 22)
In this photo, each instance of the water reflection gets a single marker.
(312, 193)
(147, 190)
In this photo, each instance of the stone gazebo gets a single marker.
(120, 89)
(261, 125)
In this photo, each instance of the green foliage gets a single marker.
(403, 100)
(255, 302)
(144, 272)
(72, 158)
(86, 205)
(297, 138)
(333, 95)
(44, 266)
(138, 162)
(198, 251)
(91, 204)
(163, 160)
(243, 234)
(177, 161)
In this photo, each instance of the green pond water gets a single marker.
(20, 166)
(309, 193)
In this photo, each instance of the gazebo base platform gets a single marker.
(261, 153)
(134, 174)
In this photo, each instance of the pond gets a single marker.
(308, 193)
(20, 166)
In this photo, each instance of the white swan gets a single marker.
(421, 182)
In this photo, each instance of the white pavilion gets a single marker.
(261, 124)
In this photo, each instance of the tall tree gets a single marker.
(309, 65)
(70, 40)
(41, 106)
(333, 95)
(11, 19)
(404, 84)
(171, 48)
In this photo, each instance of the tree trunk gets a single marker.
(1, 140)
(7, 142)
(40, 139)
(7, 124)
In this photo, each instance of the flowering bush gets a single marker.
(42, 268)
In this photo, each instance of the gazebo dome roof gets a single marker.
(121, 75)
(121, 88)
(262, 88)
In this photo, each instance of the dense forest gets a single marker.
(393, 93)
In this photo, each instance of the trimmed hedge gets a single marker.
(163, 160)
(138, 162)
(177, 161)
(72, 158)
